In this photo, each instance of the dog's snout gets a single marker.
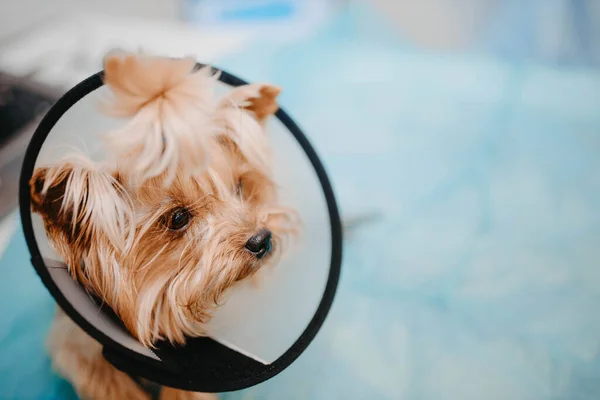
(260, 243)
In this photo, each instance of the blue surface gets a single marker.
(482, 279)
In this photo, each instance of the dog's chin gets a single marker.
(253, 265)
(249, 269)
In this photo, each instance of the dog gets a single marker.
(183, 209)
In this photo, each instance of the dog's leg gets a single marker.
(168, 393)
(78, 358)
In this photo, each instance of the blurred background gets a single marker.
(466, 131)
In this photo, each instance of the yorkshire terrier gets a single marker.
(184, 208)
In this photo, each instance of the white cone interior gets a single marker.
(262, 321)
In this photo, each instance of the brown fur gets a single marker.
(265, 104)
(113, 226)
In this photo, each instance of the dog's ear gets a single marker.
(79, 204)
(265, 103)
(240, 118)
(260, 99)
(47, 200)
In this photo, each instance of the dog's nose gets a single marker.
(260, 243)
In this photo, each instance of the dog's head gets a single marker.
(186, 209)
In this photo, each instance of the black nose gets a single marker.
(260, 243)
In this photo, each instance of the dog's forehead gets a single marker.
(227, 165)
(184, 188)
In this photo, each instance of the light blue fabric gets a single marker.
(26, 309)
(482, 278)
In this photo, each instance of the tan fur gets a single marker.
(78, 357)
(111, 225)
(171, 108)
(168, 393)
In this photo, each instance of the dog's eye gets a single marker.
(179, 219)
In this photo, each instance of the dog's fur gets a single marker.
(158, 231)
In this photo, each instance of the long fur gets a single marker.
(170, 106)
(111, 223)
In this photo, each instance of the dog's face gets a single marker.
(162, 252)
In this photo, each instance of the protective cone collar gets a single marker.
(279, 321)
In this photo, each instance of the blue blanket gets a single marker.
(481, 279)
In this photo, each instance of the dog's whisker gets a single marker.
(183, 252)
(141, 269)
